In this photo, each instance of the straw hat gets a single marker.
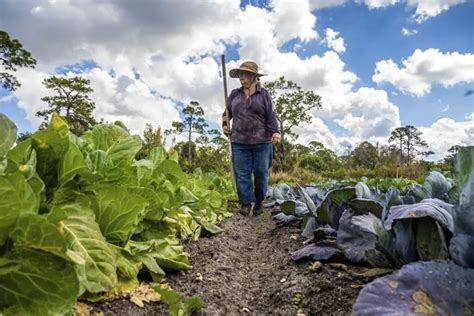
(248, 66)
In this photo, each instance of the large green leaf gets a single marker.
(35, 232)
(7, 134)
(97, 273)
(51, 145)
(171, 169)
(128, 265)
(16, 198)
(104, 136)
(185, 196)
(18, 153)
(115, 142)
(98, 161)
(70, 192)
(157, 155)
(42, 284)
(8, 266)
(167, 255)
(430, 240)
(118, 212)
(144, 169)
(72, 164)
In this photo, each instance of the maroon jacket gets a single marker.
(253, 120)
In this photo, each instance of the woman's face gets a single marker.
(246, 79)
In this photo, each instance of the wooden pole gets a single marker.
(224, 77)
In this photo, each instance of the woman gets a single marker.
(254, 129)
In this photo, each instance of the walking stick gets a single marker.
(224, 76)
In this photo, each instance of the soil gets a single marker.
(248, 269)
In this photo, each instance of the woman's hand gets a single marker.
(226, 130)
(276, 138)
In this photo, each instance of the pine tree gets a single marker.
(12, 55)
(71, 100)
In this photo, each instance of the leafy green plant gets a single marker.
(80, 216)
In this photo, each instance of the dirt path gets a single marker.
(248, 269)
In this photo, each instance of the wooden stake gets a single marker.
(224, 77)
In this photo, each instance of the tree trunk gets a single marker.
(408, 149)
(282, 144)
(281, 129)
(401, 150)
(189, 139)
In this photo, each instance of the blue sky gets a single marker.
(140, 58)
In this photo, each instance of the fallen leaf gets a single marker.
(373, 272)
(80, 309)
(340, 266)
(315, 266)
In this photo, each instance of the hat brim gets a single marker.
(234, 73)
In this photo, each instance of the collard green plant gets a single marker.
(7, 134)
(80, 216)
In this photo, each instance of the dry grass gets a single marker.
(295, 176)
(300, 175)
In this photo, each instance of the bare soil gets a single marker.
(247, 269)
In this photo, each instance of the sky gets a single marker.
(377, 64)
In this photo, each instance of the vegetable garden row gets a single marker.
(80, 217)
(426, 231)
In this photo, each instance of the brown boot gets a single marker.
(257, 209)
(245, 209)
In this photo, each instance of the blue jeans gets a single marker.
(248, 159)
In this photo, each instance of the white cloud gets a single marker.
(426, 9)
(334, 42)
(319, 4)
(130, 101)
(425, 68)
(125, 99)
(375, 4)
(408, 32)
(446, 132)
(370, 114)
(319, 131)
(29, 94)
(293, 20)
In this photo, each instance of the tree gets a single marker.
(292, 104)
(192, 123)
(316, 146)
(151, 139)
(389, 154)
(452, 151)
(413, 141)
(409, 138)
(365, 155)
(71, 101)
(398, 136)
(12, 55)
(23, 136)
